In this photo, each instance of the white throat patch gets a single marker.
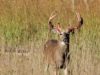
(62, 43)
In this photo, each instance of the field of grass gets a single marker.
(24, 30)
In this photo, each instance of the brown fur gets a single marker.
(56, 52)
(53, 51)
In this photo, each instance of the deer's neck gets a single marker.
(66, 40)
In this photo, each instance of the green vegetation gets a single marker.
(25, 23)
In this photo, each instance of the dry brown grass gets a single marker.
(23, 31)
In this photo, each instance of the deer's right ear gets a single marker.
(57, 29)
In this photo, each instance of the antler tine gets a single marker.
(80, 20)
(52, 16)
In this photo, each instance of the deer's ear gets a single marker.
(58, 28)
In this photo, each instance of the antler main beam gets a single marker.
(79, 24)
(80, 20)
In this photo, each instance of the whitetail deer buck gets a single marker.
(56, 52)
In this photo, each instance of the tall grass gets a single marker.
(24, 30)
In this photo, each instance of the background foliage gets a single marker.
(24, 30)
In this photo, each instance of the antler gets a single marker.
(57, 28)
(80, 21)
(51, 25)
(79, 24)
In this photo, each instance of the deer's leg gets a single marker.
(66, 71)
(46, 65)
(46, 68)
(57, 72)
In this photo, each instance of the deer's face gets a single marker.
(65, 36)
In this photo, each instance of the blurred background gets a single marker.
(24, 30)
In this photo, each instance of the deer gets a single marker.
(56, 52)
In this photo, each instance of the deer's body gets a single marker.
(56, 52)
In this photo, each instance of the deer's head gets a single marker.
(70, 29)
